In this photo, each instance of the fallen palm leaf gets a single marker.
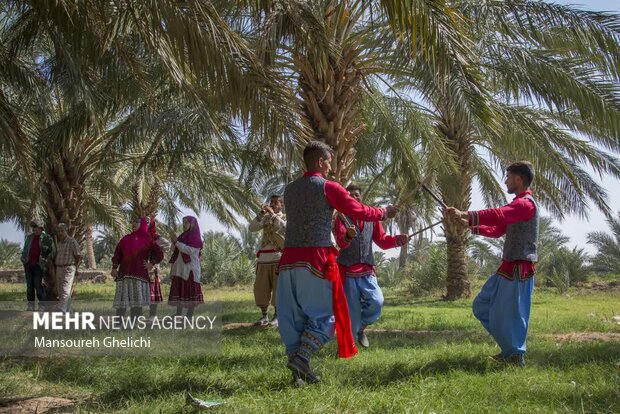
(191, 400)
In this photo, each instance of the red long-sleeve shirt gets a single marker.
(379, 236)
(315, 258)
(35, 250)
(493, 223)
(133, 265)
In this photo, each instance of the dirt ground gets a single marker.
(37, 405)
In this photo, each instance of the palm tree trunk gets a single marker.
(456, 191)
(330, 98)
(90, 251)
(457, 279)
(64, 197)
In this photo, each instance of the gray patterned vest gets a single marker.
(360, 248)
(308, 214)
(522, 238)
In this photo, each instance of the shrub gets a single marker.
(10, 253)
(428, 273)
(223, 262)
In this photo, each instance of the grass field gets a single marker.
(425, 356)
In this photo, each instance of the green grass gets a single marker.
(425, 356)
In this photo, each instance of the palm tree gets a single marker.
(9, 254)
(332, 55)
(104, 245)
(95, 70)
(528, 97)
(607, 257)
(249, 242)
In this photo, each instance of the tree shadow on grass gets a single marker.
(119, 380)
(383, 375)
(391, 339)
(395, 301)
(570, 354)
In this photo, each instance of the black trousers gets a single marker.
(34, 283)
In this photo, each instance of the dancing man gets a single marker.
(357, 266)
(503, 304)
(310, 297)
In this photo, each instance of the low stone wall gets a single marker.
(88, 276)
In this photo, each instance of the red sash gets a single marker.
(344, 335)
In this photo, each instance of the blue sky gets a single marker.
(572, 226)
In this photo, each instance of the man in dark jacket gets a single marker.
(38, 247)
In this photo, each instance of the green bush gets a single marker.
(223, 261)
(562, 267)
(387, 271)
(427, 274)
(10, 253)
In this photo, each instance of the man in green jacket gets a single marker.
(38, 247)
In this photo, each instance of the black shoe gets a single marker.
(362, 338)
(298, 382)
(515, 359)
(263, 321)
(498, 358)
(302, 369)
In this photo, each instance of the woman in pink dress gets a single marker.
(185, 290)
(133, 256)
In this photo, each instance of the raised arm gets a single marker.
(163, 243)
(520, 209)
(382, 239)
(256, 224)
(339, 198)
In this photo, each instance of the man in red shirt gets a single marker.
(503, 304)
(357, 266)
(38, 247)
(310, 297)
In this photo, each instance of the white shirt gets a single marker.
(258, 224)
(180, 268)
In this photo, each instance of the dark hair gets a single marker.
(315, 150)
(523, 169)
(353, 187)
(275, 196)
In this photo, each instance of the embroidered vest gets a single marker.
(308, 214)
(522, 238)
(360, 248)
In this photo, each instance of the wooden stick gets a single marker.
(425, 228)
(439, 200)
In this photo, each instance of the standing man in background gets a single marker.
(38, 247)
(67, 261)
(272, 222)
